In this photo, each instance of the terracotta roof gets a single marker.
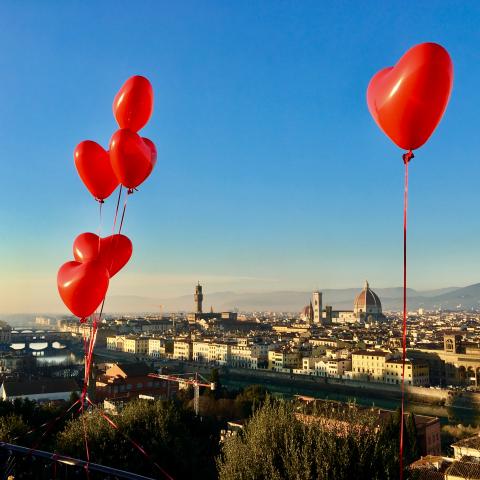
(465, 469)
(428, 474)
(470, 442)
(134, 369)
(366, 298)
(16, 388)
(372, 353)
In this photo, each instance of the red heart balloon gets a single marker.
(113, 251)
(408, 100)
(133, 104)
(132, 157)
(82, 286)
(93, 166)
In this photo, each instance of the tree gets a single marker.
(249, 399)
(282, 442)
(11, 426)
(172, 436)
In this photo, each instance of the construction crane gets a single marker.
(196, 382)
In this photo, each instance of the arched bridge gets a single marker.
(31, 336)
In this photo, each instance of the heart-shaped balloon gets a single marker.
(95, 170)
(82, 286)
(408, 100)
(113, 251)
(132, 157)
(133, 104)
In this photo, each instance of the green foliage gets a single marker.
(11, 426)
(249, 399)
(179, 442)
(280, 443)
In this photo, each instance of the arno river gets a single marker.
(447, 415)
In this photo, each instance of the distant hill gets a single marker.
(294, 301)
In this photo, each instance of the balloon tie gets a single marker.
(407, 156)
(406, 159)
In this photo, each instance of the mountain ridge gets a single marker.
(294, 300)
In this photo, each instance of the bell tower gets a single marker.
(198, 297)
(317, 306)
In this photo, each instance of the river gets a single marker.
(447, 415)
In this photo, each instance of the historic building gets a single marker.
(129, 380)
(457, 364)
(367, 305)
(199, 316)
(366, 308)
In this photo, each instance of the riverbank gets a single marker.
(452, 407)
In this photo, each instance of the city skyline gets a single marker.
(271, 174)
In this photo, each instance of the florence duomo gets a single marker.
(367, 308)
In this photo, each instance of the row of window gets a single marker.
(138, 386)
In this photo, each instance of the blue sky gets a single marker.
(271, 173)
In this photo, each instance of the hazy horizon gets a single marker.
(213, 296)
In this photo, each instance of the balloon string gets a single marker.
(133, 442)
(116, 209)
(406, 159)
(129, 192)
(49, 426)
(100, 222)
(87, 451)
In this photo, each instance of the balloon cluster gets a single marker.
(83, 283)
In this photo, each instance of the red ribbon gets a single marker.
(406, 159)
(133, 442)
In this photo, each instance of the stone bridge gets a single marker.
(30, 336)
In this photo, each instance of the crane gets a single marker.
(196, 382)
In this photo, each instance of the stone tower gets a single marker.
(198, 297)
(317, 307)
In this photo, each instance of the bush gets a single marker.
(334, 443)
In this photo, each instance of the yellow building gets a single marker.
(134, 344)
(115, 342)
(182, 349)
(283, 359)
(369, 364)
(416, 373)
(159, 347)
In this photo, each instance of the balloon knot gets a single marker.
(130, 191)
(407, 156)
(99, 200)
(83, 320)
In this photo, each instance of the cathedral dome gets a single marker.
(367, 302)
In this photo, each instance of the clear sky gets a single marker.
(271, 173)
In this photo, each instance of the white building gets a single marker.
(201, 351)
(44, 390)
(248, 354)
